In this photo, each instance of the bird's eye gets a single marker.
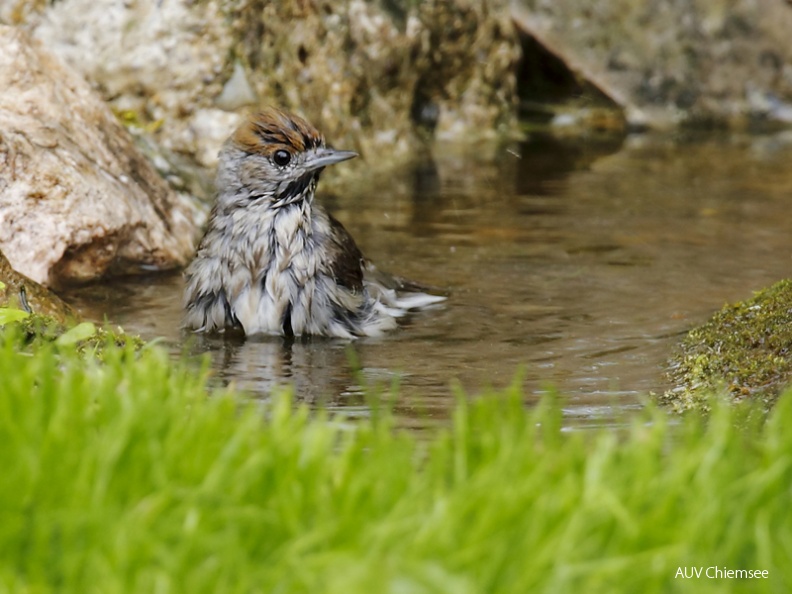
(281, 158)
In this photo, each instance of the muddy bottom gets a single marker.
(577, 263)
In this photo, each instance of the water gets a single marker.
(579, 262)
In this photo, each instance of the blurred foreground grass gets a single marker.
(127, 475)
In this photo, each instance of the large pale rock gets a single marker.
(670, 63)
(77, 200)
(374, 76)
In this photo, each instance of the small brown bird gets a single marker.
(275, 262)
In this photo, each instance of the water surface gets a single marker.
(579, 262)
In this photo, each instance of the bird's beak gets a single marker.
(327, 156)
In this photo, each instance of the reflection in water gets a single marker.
(314, 367)
(579, 262)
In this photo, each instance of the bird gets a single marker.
(273, 261)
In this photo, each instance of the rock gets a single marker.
(744, 350)
(668, 63)
(373, 76)
(17, 290)
(77, 200)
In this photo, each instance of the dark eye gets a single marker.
(281, 158)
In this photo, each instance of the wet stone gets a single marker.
(78, 201)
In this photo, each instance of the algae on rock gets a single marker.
(745, 349)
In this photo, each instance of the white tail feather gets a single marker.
(398, 304)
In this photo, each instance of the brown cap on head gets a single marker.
(271, 129)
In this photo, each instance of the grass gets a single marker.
(126, 475)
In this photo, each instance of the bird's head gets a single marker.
(274, 156)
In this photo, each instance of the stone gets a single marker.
(378, 77)
(744, 350)
(77, 199)
(21, 292)
(702, 62)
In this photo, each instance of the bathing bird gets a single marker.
(273, 260)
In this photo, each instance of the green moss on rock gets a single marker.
(44, 317)
(85, 338)
(745, 350)
(19, 291)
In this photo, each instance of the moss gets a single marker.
(38, 322)
(133, 119)
(38, 330)
(744, 350)
(21, 292)
(41, 317)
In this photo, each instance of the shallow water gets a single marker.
(579, 262)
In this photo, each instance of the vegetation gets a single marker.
(744, 350)
(126, 475)
(20, 295)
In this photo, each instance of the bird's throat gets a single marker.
(299, 190)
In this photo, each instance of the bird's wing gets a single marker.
(346, 260)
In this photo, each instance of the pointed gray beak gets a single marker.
(326, 156)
